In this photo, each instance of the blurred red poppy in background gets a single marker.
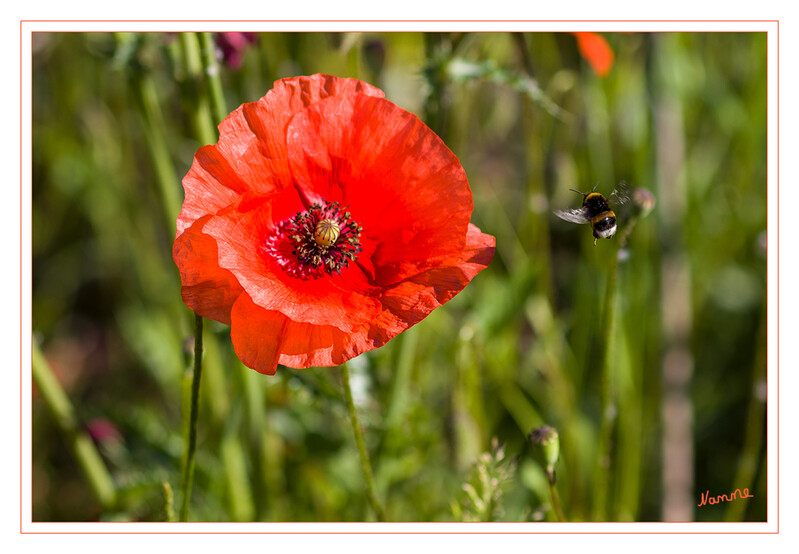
(596, 51)
(324, 222)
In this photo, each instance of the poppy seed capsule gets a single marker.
(326, 232)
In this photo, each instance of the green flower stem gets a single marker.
(258, 427)
(608, 393)
(157, 144)
(556, 501)
(608, 405)
(213, 75)
(436, 77)
(234, 460)
(753, 429)
(356, 429)
(188, 467)
(89, 460)
(195, 90)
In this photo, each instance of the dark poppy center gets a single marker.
(322, 239)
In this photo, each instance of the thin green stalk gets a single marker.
(608, 405)
(157, 144)
(212, 73)
(241, 502)
(188, 468)
(629, 437)
(609, 393)
(753, 429)
(266, 476)
(436, 53)
(195, 90)
(354, 57)
(356, 429)
(556, 501)
(89, 459)
(402, 378)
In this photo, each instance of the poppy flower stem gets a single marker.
(188, 467)
(215, 90)
(356, 429)
(195, 90)
(556, 507)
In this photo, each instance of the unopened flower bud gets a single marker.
(546, 447)
(645, 200)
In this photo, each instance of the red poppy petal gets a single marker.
(207, 289)
(402, 184)
(596, 50)
(263, 338)
(235, 165)
(291, 95)
(251, 152)
(256, 131)
(411, 301)
(255, 334)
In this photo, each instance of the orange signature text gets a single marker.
(734, 495)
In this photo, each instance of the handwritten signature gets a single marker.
(734, 495)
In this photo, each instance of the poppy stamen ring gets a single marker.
(321, 240)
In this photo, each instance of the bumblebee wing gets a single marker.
(576, 215)
(621, 195)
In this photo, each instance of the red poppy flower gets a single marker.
(324, 222)
(597, 52)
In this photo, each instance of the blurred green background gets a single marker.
(678, 410)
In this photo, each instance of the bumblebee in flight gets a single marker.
(596, 211)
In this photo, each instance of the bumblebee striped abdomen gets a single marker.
(603, 220)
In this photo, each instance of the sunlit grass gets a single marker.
(117, 120)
